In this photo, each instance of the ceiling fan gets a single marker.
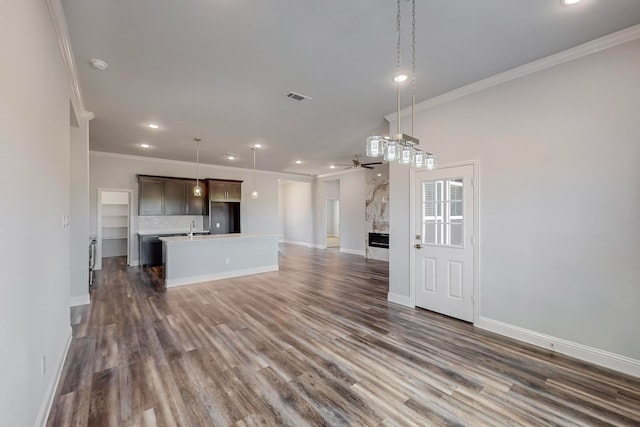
(356, 163)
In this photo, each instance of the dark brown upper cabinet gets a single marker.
(225, 191)
(175, 199)
(150, 196)
(170, 196)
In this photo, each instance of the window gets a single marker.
(443, 212)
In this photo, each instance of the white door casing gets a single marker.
(444, 241)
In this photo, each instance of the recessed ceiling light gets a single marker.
(230, 157)
(400, 78)
(298, 162)
(293, 96)
(153, 126)
(99, 64)
(569, 2)
(257, 145)
(379, 174)
(332, 167)
(145, 146)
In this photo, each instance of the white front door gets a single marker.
(444, 265)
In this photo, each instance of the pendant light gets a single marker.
(197, 190)
(375, 146)
(254, 193)
(402, 147)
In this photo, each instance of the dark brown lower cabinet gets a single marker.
(150, 251)
(150, 248)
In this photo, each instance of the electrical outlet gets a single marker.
(43, 364)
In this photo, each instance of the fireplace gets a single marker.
(379, 240)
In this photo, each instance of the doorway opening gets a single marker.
(333, 223)
(114, 213)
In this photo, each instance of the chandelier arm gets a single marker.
(398, 109)
(413, 61)
(398, 30)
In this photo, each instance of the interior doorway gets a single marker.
(333, 223)
(114, 214)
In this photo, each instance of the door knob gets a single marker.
(417, 246)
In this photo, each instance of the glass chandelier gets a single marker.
(402, 147)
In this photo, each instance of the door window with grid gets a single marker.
(442, 212)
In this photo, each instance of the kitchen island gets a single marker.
(196, 259)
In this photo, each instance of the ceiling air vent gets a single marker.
(297, 97)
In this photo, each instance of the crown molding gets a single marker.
(192, 164)
(602, 43)
(64, 42)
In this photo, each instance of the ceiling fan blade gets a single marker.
(373, 163)
(367, 166)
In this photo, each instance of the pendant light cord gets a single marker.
(413, 61)
(197, 162)
(254, 168)
(398, 31)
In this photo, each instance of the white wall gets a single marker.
(332, 189)
(353, 228)
(112, 171)
(34, 170)
(399, 234)
(79, 213)
(559, 183)
(297, 211)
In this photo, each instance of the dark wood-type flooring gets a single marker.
(313, 344)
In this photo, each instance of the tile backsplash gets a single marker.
(169, 222)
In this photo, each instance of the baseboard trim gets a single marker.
(47, 402)
(172, 283)
(293, 242)
(352, 252)
(320, 246)
(135, 263)
(399, 299)
(80, 300)
(593, 355)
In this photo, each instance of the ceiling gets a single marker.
(220, 69)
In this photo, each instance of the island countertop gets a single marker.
(198, 259)
(214, 237)
(169, 231)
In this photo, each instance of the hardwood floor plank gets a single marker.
(315, 343)
(104, 409)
